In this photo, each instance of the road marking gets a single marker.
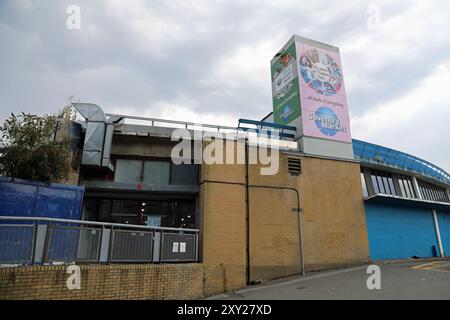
(433, 266)
(421, 266)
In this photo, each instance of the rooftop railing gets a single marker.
(258, 127)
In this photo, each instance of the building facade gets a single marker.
(313, 212)
(351, 211)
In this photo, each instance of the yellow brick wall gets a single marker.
(138, 281)
(274, 237)
(223, 228)
(334, 224)
(333, 218)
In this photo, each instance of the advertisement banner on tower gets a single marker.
(285, 86)
(322, 93)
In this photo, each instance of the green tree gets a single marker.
(29, 150)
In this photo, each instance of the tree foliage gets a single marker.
(29, 150)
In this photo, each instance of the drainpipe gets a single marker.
(438, 233)
(247, 215)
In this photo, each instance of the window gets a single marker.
(184, 174)
(432, 192)
(364, 185)
(382, 182)
(375, 183)
(406, 186)
(128, 171)
(176, 213)
(155, 172)
(391, 185)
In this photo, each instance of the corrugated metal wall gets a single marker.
(35, 199)
(400, 232)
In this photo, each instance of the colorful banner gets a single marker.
(322, 93)
(285, 87)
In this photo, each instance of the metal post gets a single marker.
(161, 243)
(111, 244)
(438, 233)
(33, 248)
(196, 247)
(300, 235)
(47, 240)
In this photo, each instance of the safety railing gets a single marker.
(36, 240)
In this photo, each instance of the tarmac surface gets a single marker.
(411, 279)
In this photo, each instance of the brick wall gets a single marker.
(334, 221)
(333, 217)
(145, 281)
(223, 228)
(274, 238)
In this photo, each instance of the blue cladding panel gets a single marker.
(444, 227)
(17, 199)
(399, 232)
(33, 199)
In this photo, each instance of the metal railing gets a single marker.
(36, 240)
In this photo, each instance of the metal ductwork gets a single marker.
(98, 136)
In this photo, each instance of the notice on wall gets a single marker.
(182, 247)
(175, 247)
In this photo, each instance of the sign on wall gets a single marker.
(314, 90)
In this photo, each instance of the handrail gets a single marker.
(184, 123)
(238, 129)
(267, 124)
(98, 223)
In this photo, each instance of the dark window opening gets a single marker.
(175, 213)
(432, 192)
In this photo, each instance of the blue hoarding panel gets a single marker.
(399, 232)
(34, 199)
(444, 227)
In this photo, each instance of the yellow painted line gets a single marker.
(431, 269)
(433, 266)
(421, 266)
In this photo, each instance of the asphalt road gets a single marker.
(413, 279)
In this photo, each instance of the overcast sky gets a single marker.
(208, 61)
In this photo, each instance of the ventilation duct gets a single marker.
(98, 136)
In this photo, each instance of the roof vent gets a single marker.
(294, 166)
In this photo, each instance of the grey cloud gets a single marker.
(172, 56)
